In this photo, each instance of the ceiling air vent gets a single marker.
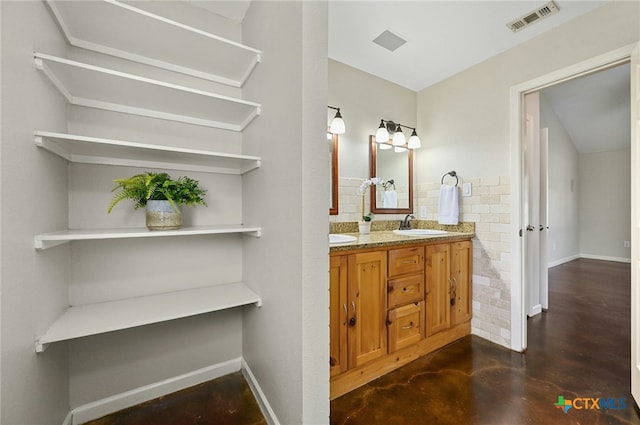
(532, 17)
(389, 40)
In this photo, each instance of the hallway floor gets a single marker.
(579, 348)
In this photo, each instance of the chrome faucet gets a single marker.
(406, 223)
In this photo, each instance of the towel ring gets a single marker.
(389, 183)
(452, 174)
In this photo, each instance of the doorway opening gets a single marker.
(518, 290)
(576, 176)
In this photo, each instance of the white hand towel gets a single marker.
(448, 209)
(390, 199)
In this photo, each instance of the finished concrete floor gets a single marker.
(580, 348)
(224, 401)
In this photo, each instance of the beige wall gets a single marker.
(605, 204)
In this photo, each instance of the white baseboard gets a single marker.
(100, 408)
(265, 407)
(562, 261)
(68, 420)
(589, 257)
(605, 258)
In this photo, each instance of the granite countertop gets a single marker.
(378, 239)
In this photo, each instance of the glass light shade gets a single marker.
(414, 141)
(399, 149)
(382, 135)
(337, 125)
(385, 146)
(398, 138)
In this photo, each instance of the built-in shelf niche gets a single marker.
(108, 26)
(94, 150)
(121, 30)
(93, 319)
(92, 86)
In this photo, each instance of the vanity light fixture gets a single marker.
(337, 124)
(398, 139)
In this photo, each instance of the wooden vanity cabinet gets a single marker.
(338, 314)
(461, 257)
(448, 286)
(391, 305)
(367, 307)
(358, 309)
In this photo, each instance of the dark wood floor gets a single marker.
(580, 348)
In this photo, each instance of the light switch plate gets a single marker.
(423, 212)
(466, 189)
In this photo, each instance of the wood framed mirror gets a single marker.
(396, 168)
(333, 174)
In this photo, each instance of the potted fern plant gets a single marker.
(162, 196)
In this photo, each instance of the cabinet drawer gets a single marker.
(404, 290)
(406, 261)
(405, 326)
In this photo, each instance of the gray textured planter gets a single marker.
(162, 216)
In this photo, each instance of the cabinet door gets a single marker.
(438, 271)
(461, 256)
(338, 314)
(367, 297)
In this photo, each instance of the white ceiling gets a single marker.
(443, 37)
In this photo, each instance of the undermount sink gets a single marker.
(419, 232)
(340, 239)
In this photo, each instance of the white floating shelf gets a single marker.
(96, 87)
(48, 240)
(108, 26)
(93, 150)
(92, 319)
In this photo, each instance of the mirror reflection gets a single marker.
(395, 166)
(333, 173)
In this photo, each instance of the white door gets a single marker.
(531, 191)
(544, 214)
(635, 223)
